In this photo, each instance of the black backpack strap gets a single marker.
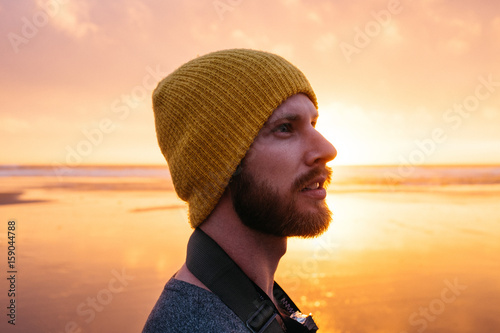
(216, 270)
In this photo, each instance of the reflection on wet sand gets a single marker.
(14, 198)
(422, 260)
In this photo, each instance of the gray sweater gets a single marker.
(183, 307)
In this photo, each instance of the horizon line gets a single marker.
(104, 165)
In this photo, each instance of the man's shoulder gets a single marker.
(184, 307)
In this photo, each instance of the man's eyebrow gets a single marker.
(292, 117)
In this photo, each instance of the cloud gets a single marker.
(13, 125)
(263, 42)
(249, 41)
(495, 25)
(71, 18)
(325, 42)
(392, 33)
(139, 13)
(290, 2)
(457, 46)
(313, 16)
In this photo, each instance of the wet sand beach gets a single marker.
(93, 254)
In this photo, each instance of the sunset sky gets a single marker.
(415, 82)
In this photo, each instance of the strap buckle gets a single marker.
(262, 318)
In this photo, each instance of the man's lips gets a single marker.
(319, 177)
(316, 194)
(313, 183)
(316, 183)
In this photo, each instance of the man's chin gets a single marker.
(309, 225)
(312, 233)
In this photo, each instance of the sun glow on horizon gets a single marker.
(349, 131)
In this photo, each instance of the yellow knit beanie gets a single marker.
(209, 111)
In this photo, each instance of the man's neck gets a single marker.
(257, 254)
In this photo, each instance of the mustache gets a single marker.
(306, 178)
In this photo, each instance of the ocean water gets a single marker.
(409, 249)
(343, 175)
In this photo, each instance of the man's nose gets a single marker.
(320, 150)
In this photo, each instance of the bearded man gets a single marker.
(237, 128)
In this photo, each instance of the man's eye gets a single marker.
(284, 128)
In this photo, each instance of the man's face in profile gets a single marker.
(282, 187)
